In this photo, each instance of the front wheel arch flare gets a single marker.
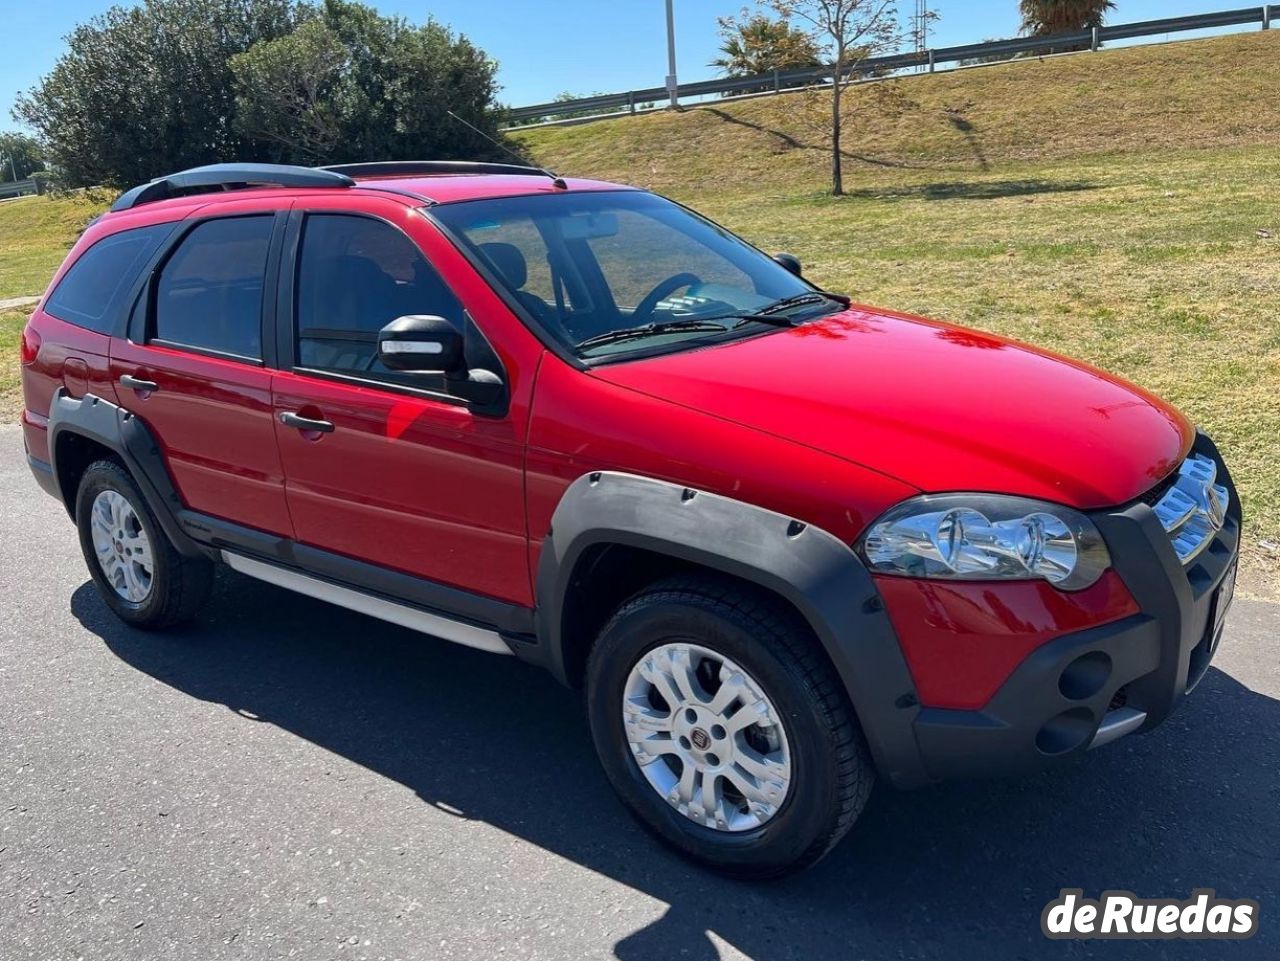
(808, 568)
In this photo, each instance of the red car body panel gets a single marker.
(584, 422)
(940, 408)
(963, 640)
(214, 417)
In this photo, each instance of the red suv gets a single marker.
(784, 543)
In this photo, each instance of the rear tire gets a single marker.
(138, 572)
(761, 802)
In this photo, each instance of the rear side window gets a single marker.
(90, 293)
(209, 295)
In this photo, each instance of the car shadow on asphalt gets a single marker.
(960, 870)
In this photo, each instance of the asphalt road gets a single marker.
(286, 779)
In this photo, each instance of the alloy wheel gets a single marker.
(706, 737)
(122, 546)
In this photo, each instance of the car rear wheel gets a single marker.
(724, 729)
(136, 569)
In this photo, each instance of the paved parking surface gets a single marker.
(286, 779)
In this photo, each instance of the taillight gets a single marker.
(30, 345)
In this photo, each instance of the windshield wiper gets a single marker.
(650, 330)
(773, 313)
(801, 300)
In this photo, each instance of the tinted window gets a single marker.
(210, 291)
(355, 276)
(89, 294)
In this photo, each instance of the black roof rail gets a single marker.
(229, 177)
(410, 168)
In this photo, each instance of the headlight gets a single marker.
(983, 537)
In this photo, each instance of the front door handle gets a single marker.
(137, 383)
(290, 419)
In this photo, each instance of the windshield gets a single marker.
(615, 272)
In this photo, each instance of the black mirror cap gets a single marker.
(789, 261)
(421, 342)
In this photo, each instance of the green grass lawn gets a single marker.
(35, 234)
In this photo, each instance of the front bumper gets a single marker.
(1085, 689)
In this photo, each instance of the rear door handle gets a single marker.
(137, 383)
(290, 419)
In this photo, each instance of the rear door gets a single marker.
(194, 366)
(404, 475)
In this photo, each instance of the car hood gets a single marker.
(939, 407)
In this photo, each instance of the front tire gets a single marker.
(724, 728)
(136, 569)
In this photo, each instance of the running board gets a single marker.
(1116, 724)
(436, 625)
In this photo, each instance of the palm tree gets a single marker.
(1043, 17)
(761, 45)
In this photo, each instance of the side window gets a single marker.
(90, 293)
(355, 276)
(209, 294)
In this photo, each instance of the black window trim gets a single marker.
(141, 319)
(285, 310)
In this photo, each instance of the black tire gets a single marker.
(179, 584)
(832, 773)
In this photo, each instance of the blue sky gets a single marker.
(548, 46)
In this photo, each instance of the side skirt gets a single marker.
(436, 625)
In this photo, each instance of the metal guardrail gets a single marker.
(780, 80)
(17, 188)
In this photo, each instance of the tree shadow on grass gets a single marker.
(958, 872)
(971, 190)
(791, 143)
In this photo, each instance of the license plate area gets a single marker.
(1222, 599)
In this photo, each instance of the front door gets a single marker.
(193, 369)
(400, 474)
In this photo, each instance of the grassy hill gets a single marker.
(1113, 206)
(1105, 205)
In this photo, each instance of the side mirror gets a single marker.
(421, 342)
(790, 261)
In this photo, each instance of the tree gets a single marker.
(760, 44)
(847, 32)
(355, 85)
(172, 84)
(146, 90)
(284, 92)
(1044, 17)
(20, 156)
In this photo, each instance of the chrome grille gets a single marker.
(1194, 509)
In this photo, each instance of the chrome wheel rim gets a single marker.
(706, 737)
(122, 546)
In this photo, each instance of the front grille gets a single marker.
(1152, 497)
(1193, 509)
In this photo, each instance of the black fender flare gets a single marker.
(130, 439)
(813, 570)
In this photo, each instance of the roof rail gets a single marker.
(410, 168)
(229, 177)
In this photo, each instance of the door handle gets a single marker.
(137, 383)
(290, 419)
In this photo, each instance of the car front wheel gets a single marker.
(724, 728)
